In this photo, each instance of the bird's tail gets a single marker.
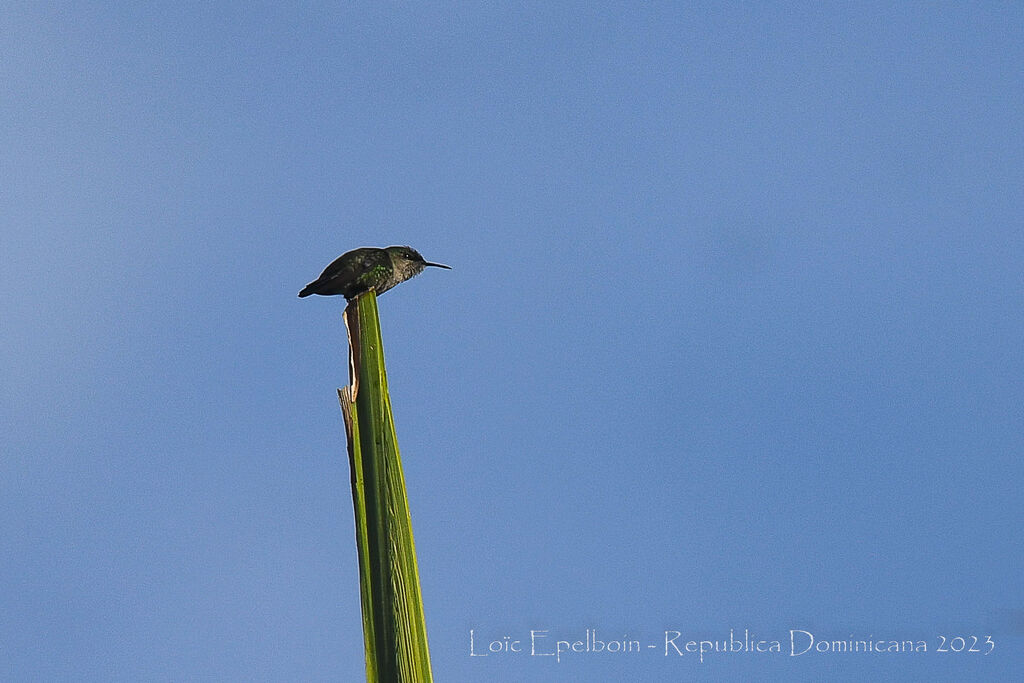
(307, 290)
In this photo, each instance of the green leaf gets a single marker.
(394, 628)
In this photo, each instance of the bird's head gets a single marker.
(407, 262)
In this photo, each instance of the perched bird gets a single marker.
(366, 268)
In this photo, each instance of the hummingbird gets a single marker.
(366, 268)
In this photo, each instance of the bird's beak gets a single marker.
(436, 265)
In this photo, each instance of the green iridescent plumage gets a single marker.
(366, 268)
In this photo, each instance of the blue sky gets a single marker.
(732, 339)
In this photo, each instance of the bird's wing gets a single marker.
(350, 264)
